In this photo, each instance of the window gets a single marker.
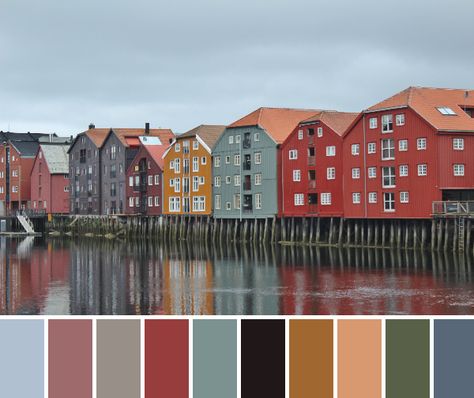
(403, 170)
(217, 181)
(177, 184)
(195, 145)
(404, 198)
(403, 145)
(217, 202)
(388, 149)
(300, 134)
(14, 173)
(371, 147)
(387, 123)
(296, 175)
(258, 157)
(372, 197)
(293, 154)
(331, 150)
(256, 137)
(355, 149)
(171, 182)
(258, 179)
(228, 206)
(355, 173)
(422, 170)
(237, 180)
(400, 119)
(227, 159)
(157, 179)
(227, 179)
(458, 144)
(356, 197)
(247, 143)
(131, 201)
(326, 198)
(258, 200)
(177, 147)
(66, 188)
(150, 180)
(389, 201)
(196, 183)
(196, 164)
(236, 160)
(372, 172)
(185, 166)
(231, 139)
(177, 165)
(421, 144)
(444, 110)
(14, 188)
(157, 201)
(199, 203)
(217, 161)
(373, 123)
(203, 160)
(458, 170)
(150, 201)
(331, 173)
(186, 146)
(174, 204)
(320, 132)
(237, 139)
(172, 164)
(299, 199)
(236, 201)
(388, 177)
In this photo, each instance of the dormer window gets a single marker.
(444, 110)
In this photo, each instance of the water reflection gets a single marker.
(111, 277)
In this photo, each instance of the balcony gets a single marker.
(311, 140)
(246, 144)
(453, 208)
(312, 184)
(311, 160)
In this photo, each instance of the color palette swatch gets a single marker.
(236, 358)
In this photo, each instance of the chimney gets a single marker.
(91, 126)
(147, 128)
(466, 94)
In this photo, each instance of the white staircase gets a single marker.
(25, 222)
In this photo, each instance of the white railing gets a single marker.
(25, 222)
(453, 208)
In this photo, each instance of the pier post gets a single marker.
(341, 229)
(318, 229)
(446, 234)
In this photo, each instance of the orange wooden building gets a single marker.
(187, 174)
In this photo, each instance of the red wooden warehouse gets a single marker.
(311, 166)
(409, 151)
(144, 178)
(50, 179)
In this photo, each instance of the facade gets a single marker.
(311, 167)
(408, 151)
(117, 153)
(50, 179)
(17, 155)
(84, 171)
(246, 162)
(187, 173)
(144, 177)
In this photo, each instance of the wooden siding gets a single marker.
(268, 169)
(204, 171)
(448, 157)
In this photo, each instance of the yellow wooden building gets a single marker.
(187, 174)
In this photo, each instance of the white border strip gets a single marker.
(383, 358)
(191, 357)
(335, 358)
(142, 358)
(287, 357)
(94, 358)
(46, 356)
(239, 353)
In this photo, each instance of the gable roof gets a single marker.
(337, 121)
(277, 122)
(26, 148)
(426, 100)
(56, 158)
(156, 152)
(125, 135)
(209, 133)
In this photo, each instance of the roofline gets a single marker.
(168, 149)
(455, 131)
(391, 108)
(201, 141)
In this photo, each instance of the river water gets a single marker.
(93, 277)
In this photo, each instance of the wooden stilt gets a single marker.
(318, 229)
(423, 234)
(331, 230)
(283, 229)
(356, 232)
(440, 230)
(369, 232)
(265, 230)
(383, 233)
(273, 235)
(311, 222)
(468, 235)
(341, 229)
(446, 234)
(292, 233)
(407, 234)
(392, 234)
(376, 233)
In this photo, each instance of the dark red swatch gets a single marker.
(166, 359)
(70, 358)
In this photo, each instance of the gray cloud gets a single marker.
(181, 63)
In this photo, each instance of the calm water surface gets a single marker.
(109, 277)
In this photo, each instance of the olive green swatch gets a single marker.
(407, 358)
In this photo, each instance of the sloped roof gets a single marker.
(97, 135)
(277, 122)
(26, 148)
(156, 152)
(122, 134)
(209, 133)
(56, 158)
(337, 121)
(426, 100)
(11, 136)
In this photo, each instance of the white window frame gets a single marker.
(256, 137)
(371, 148)
(458, 144)
(331, 173)
(237, 159)
(258, 179)
(258, 201)
(157, 201)
(421, 144)
(355, 149)
(195, 164)
(387, 148)
(458, 169)
(319, 131)
(157, 179)
(258, 157)
(400, 119)
(236, 180)
(293, 154)
(391, 177)
(231, 139)
(331, 150)
(217, 161)
(217, 201)
(356, 198)
(300, 134)
(372, 197)
(390, 202)
(355, 173)
(404, 197)
(217, 181)
(325, 198)
(372, 172)
(422, 170)
(297, 175)
(403, 170)
(387, 120)
(373, 123)
(402, 145)
(298, 199)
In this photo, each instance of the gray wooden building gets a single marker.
(246, 161)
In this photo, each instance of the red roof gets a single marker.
(156, 152)
(132, 141)
(337, 121)
(426, 101)
(277, 122)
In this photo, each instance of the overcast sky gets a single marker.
(177, 64)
